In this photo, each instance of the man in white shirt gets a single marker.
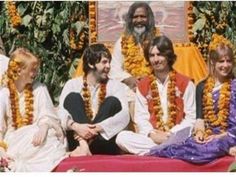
(97, 105)
(164, 101)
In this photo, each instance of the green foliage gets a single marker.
(232, 167)
(213, 17)
(45, 31)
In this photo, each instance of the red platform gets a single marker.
(132, 163)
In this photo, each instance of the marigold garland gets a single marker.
(134, 60)
(217, 40)
(212, 118)
(13, 14)
(172, 113)
(18, 119)
(87, 97)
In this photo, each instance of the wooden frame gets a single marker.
(106, 18)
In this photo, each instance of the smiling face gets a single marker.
(221, 62)
(223, 67)
(159, 63)
(140, 20)
(102, 69)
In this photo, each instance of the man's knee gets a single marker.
(72, 99)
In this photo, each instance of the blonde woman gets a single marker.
(31, 138)
(215, 132)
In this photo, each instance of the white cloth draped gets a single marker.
(27, 157)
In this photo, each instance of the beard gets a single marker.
(139, 30)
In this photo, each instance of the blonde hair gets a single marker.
(19, 59)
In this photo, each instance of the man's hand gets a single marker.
(199, 136)
(131, 82)
(159, 136)
(40, 136)
(85, 131)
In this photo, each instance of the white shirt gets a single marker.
(142, 115)
(117, 63)
(3, 64)
(43, 107)
(112, 125)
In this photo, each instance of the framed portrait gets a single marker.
(170, 18)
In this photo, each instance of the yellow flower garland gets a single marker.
(13, 14)
(134, 60)
(87, 97)
(171, 103)
(213, 119)
(18, 119)
(217, 40)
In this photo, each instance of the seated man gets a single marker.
(97, 105)
(164, 104)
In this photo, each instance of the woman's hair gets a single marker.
(165, 46)
(93, 54)
(19, 59)
(222, 50)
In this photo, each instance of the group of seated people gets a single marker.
(93, 110)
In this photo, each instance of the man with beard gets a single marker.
(93, 107)
(128, 63)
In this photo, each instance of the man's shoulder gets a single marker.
(116, 83)
(74, 80)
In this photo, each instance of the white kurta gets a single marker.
(112, 125)
(140, 143)
(3, 64)
(117, 68)
(26, 156)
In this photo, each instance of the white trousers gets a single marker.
(134, 143)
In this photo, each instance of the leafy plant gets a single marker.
(213, 17)
(55, 31)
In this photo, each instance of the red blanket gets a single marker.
(132, 163)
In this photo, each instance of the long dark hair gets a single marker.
(150, 29)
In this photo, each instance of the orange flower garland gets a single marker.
(87, 97)
(18, 119)
(134, 61)
(212, 118)
(171, 103)
(13, 14)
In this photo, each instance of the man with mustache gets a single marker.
(93, 106)
(128, 63)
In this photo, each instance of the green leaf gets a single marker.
(26, 20)
(232, 167)
(199, 24)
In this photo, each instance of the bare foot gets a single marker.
(81, 150)
(84, 147)
(232, 151)
(77, 152)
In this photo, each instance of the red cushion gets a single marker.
(132, 163)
